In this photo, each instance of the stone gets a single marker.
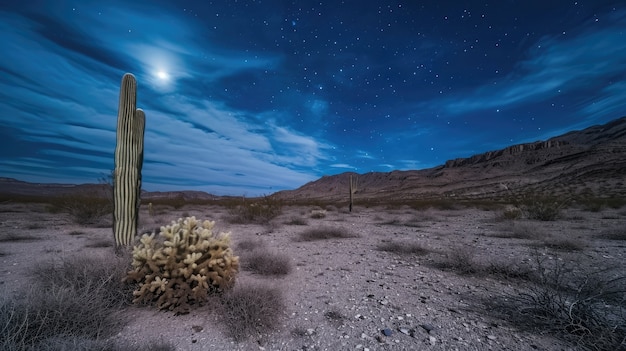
(427, 327)
(432, 340)
(387, 332)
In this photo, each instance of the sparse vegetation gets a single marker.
(296, 221)
(543, 209)
(251, 309)
(259, 211)
(461, 260)
(323, 233)
(587, 310)
(262, 261)
(564, 244)
(520, 230)
(613, 234)
(318, 214)
(15, 237)
(83, 209)
(403, 248)
(74, 300)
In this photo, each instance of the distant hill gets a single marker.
(10, 186)
(587, 162)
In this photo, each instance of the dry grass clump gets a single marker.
(296, 221)
(323, 233)
(564, 244)
(75, 301)
(83, 208)
(259, 211)
(518, 230)
(403, 248)
(613, 234)
(17, 237)
(460, 259)
(318, 214)
(257, 258)
(543, 209)
(510, 213)
(251, 309)
(585, 309)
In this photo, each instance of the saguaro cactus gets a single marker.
(353, 185)
(131, 124)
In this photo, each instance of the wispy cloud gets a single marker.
(556, 65)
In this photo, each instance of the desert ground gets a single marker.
(376, 278)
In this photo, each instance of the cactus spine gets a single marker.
(128, 162)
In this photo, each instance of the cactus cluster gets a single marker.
(182, 265)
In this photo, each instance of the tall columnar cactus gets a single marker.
(131, 124)
(353, 185)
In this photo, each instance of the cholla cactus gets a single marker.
(181, 266)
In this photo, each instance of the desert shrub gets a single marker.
(323, 233)
(183, 265)
(585, 309)
(613, 234)
(519, 230)
(318, 214)
(83, 209)
(510, 213)
(265, 262)
(296, 221)
(258, 211)
(76, 299)
(17, 237)
(403, 248)
(564, 244)
(251, 309)
(543, 209)
(258, 259)
(460, 259)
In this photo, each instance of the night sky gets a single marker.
(252, 97)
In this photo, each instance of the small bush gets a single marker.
(259, 211)
(543, 209)
(318, 214)
(585, 309)
(83, 209)
(76, 300)
(251, 309)
(564, 244)
(520, 231)
(324, 233)
(296, 221)
(265, 262)
(15, 237)
(405, 248)
(510, 213)
(613, 234)
(460, 259)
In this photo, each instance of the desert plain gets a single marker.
(453, 277)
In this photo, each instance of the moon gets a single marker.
(162, 75)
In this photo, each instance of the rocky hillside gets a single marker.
(587, 162)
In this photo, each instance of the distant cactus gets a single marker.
(353, 189)
(128, 162)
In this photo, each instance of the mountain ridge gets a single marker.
(587, 162)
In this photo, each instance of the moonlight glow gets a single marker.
(162, 75)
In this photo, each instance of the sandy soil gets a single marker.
(366, 289)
